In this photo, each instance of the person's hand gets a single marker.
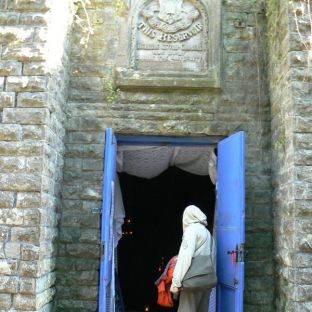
(174, 290)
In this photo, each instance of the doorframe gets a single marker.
(167, 140)
(156, 140)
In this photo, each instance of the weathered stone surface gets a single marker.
(6, 199)
(83, 250)
(10, 35)
(28, 268)
(20, 182)
(12, 164)
(4, 233)
(33, 19)
(27, 285)
(9, 18)
(28, 53)
(30, 5)
(26, 83)
(26, 116)
(5, 301)
(31, 132)
(24, 302)
(30, 252)
(28, 200)
(1, 83)
(10, 68)
(35, 68)
(28, 235)
(7, 99)
(11, 216)
(29, 99)
(10, 132)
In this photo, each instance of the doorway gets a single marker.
(157, 183)
(153, 229)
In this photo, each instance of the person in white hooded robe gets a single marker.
(196, 241)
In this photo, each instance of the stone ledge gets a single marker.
(127, 79)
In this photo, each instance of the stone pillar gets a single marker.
(291, 89)
(33, 92)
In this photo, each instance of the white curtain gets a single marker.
(150, 161)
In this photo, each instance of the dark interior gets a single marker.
(153, 229)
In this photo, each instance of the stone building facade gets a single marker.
(57, 98)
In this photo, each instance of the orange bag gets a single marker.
(164, 295)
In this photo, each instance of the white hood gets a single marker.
(193, 214)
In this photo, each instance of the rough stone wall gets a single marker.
(33, 93)
(291, 89)
(241, 104)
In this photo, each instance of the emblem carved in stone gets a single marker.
(170, 16)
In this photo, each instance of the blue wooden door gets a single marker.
(231, 223)
(107, 287)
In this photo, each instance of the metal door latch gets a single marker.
(239, 254)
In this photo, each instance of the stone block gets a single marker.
(7, 99)
(20, 182)
(78, 305)
(304, 292)
(26, 116)
(11, 216)
(35, 69)
(29, 53)
(32, 99)
(4, 233)
(92, 165)
(303, 157)
(9, 18)
(10, 132)
(25, 234)
(33, 6)
(27, 285)
(75, 264)
(68, 218)
(76, 235)
(84, 151)
(12, 250)
(13, 35)
(82, 278)
(34, 217)
(87, 84)
(91, 193)
(8, 267)
(30, 252)
(25, 148)
(6, 199)
(83, 251)
(5, 301)
(28, 200)
(10, 68)
(12, 164)
(86, 137)
(2, 83)
(24, 302)
(82, 292)
(28, 268)
(31, 132)
(26, 83)
(33, 19)
(8, 284)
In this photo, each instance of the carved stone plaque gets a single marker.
(170, 35)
